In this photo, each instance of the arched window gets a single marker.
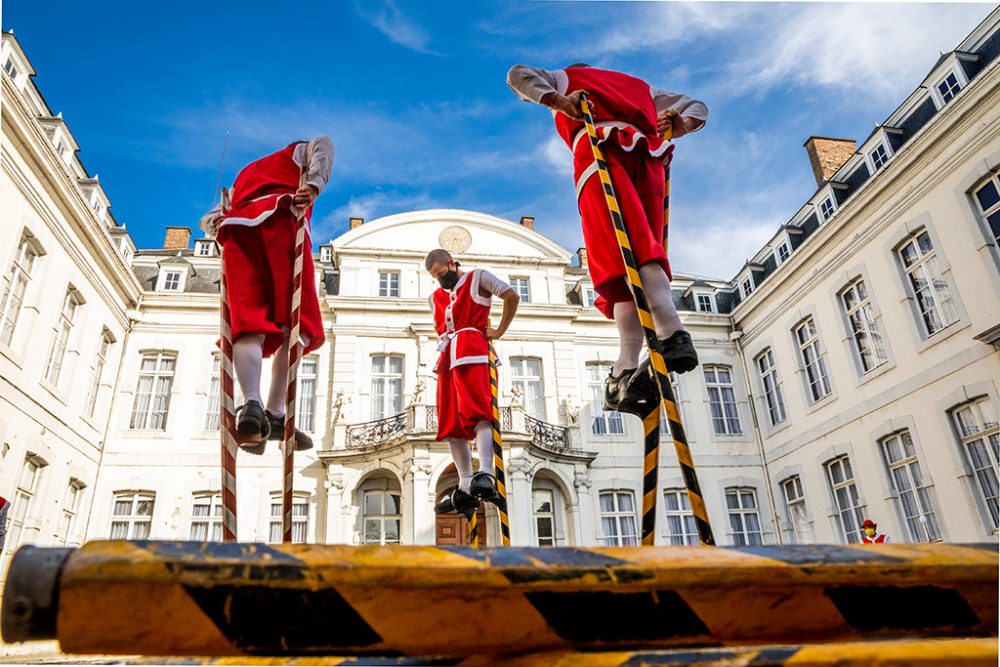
(380, 500)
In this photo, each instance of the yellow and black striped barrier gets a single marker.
(227, 599)
(970, 652)
(659, 366)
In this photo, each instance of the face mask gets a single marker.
(449, 280)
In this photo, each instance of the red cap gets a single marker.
(869, 524)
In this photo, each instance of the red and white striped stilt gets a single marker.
(294, 356)
(227, 406)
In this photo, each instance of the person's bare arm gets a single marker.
(511, 299)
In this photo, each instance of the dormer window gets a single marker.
(204, 248)
(826, 208)
(589, 296)
(326, 254)
(171, 281)
(879, 156)
(11, 68)
(784, 252)
(173, 276)
(949, 87)
(746, 287)
(704, 302)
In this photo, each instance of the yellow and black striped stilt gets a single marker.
(498, 453)
(474, 525)
(655, 356)
(651, 422)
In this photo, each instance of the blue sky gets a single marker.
(415, 99)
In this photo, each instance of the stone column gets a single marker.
(586, 526)
(519, 499)
(334, 499)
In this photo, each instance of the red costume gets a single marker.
(257, 235)
(878, 539)
(625, 115)
(464, 399)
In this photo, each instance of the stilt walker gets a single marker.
(659, 366)
(466, 385)
(268, 307)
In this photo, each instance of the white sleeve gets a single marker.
(686, 107)
(209, 222)
(532, 83)
(317, 158)
(492, 284)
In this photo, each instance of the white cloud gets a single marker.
(386, 16)
(369, 206)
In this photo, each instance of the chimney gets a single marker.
(582, 254)
(177, 238)
(528, 221)
(357, 222)
(827, 155)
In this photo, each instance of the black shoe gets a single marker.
(484, 486)
(252, 424)
(458, 501)
(633, 391)
(679, 353)
(302, 441)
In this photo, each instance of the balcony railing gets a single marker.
(423, 420)
(378, 432)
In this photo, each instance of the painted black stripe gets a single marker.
(401, 661)
(690, 479)
(775, 656)
(216, 551)
(604, 616)
(265, 620)
(681, 658)
(826, 554)
(704, 531)
(870, 608)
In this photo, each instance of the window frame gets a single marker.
(381, 409)
(28, 253)
(146, 414)
(300, 520)
(212, 521)
(987, 430)
(132, 519)
(719, 387)
(523, 380)
(63, 332)
(983, 215)
(618, 515)
(612, 423)
(815, 343)
(907, 464)
(743, 537)
(849, 485)
(925, 259)
(770, 380)
(97, 371)
(683, 518)
(866, 325)
(794, 482)
(386, 288)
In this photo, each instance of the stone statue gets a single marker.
(340, 406)
(516, 398)
(418, 394)
(571, 411)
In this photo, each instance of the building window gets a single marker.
(382, 515)
(795, 503)
(722, 400)
(132, 515)
(22, 522)
(212, 405)
(681, 527)
(171, 281)
(929, 287)
(522, 287)
(205, 248)
(300, 519)
(784, 252)
(850, 511)
(388, 283)
(15, 285)
(772, 388)
(307, 395)
(387, 385)
(747, 286)
(911, 488)
(987, 198)
(879, 156)
(861, 320)
(589, 296)
(206, 517)
(949, 87)
(543, 507)
(326, 254)
(70, 510)
(979, 432)
(705, 303)
(743, 518)
(10, 68)
(602, 423)
(526, 375)
(826, 208)
(98, 371)
(813, 360)
(152, 394)
(63, 330)
(618, 521)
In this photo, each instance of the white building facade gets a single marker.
(850, 370)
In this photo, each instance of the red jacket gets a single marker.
(263, 187)
(461, 316)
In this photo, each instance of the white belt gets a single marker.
(446, 339)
